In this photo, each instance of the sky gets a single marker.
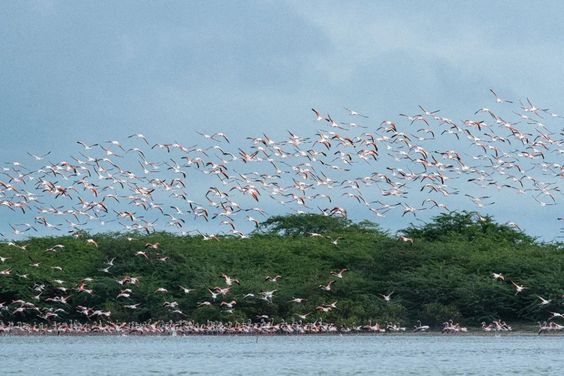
(99, 70)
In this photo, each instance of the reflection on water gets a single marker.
(359, 355)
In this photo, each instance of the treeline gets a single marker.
(438, 271)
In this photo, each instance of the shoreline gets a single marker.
(176, 334)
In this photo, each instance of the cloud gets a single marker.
(361, 35)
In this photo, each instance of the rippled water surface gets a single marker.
(316, 355)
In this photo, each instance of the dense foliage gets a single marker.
(446, 273)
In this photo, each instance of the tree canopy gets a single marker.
(306, 224)
(446, 273)
(468, 226)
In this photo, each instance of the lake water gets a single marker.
(304, 355)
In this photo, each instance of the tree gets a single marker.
(467, 226)
(304, 224)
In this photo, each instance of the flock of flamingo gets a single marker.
(423, 163)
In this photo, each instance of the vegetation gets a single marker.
(446, 273)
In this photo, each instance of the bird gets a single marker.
(229, 281)
(39, 157)
(92, 242)
(214, 294)
(339, 274)
(335, 241)
(268, 295)
(185, 290)
(543, 300)
(303, 316)
(327, 287)
(139, 136)
(318, 116)
(387, 297)
(420, 328)
(518, 288)
(297, 300)
(498, 99)
(406, 239)
(355, 113)
(229, 305)
(273, 278)
(324, 308)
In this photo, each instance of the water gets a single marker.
(313, 355)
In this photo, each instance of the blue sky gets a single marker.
(98, 70)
